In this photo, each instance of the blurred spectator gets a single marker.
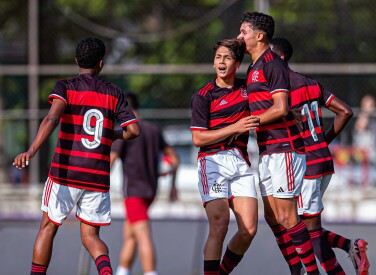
(364, 134)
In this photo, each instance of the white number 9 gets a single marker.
(95, 131)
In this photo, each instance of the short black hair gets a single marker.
(282, 46)
(132, 100)
(89, 52)
(260, 21)
(236, 47)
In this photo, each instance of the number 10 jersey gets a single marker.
(82, 154)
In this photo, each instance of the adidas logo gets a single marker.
(223, 102)
(280, 190)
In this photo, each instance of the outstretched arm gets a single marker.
(343, 115)
(46, 128)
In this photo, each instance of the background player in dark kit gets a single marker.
(141, 160)
(79, 175)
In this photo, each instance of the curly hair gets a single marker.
(260, 21)
(282, 46)
(236, 47)
(89, 52)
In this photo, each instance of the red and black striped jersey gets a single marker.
(311, 96)
(214, 108)
(82, 154)
(267, 76)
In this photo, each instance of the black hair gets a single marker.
(236, 47)
(132, 100)
(89, 52)
(282, 46)
(260, 21)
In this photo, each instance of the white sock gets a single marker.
(122, 270)
(151, 273)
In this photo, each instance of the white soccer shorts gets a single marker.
(281, 174)
(58, 201)
(310, 199)
(225, 175)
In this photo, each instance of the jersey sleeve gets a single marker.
(277, 76)
(59, 92)
(326, 96)
(200, 107)
(124, 114)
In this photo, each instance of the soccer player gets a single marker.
(281, 149)
(79, 175)
(219, 111)
(141, 159)
(309, 96)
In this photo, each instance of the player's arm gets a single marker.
(46, 128)
(278, 110)
(132, 131)
(174, 159)
(343, 115)
(113, 157)
(207, 137)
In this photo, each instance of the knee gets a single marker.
(248, 233)
(218, 229)
(48, 228)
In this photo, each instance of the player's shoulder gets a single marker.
(205, 90)
(269, 57)
(303, 78)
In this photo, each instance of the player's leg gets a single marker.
(96, 247)
(53, 196)
(310, 207)
(43, 246)
(128, 250)
(283, 239)
(287, 178)
(245, 211)
(218, 215)
(93, 210)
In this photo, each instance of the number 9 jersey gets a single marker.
(82, 155)
(308, 94)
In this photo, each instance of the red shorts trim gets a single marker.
(137, 208)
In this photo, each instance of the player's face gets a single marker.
(249, 36)
(224, 63)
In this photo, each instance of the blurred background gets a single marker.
(162, 51)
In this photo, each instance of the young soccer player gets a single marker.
(79, 175)
(281, 149)
(308, 94)
(219, 111)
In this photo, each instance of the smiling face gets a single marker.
(225, 64)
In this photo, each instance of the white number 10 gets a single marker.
(315, 109)
(95, 131)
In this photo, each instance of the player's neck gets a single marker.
(225, 83)
(260, 49)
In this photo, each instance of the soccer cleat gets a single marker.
(358, 256)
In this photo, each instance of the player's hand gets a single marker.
(299, 117)
(246, 124)
(22, 160)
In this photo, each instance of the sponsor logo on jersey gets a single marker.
(223, 102)
(243, 93)
(217, 188)
(255, 76)
(280, 190)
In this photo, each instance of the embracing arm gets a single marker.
(278, 110)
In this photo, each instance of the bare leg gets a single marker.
(91, 240)
(245, 210)
(128, 250)
(142, 234)
(44, 242)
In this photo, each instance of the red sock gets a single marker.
(103, 265)
(337, 241)
(325, 253)
(303, 245)
(38, 269)
(229, 261)
(211, 267)
(287, 249)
